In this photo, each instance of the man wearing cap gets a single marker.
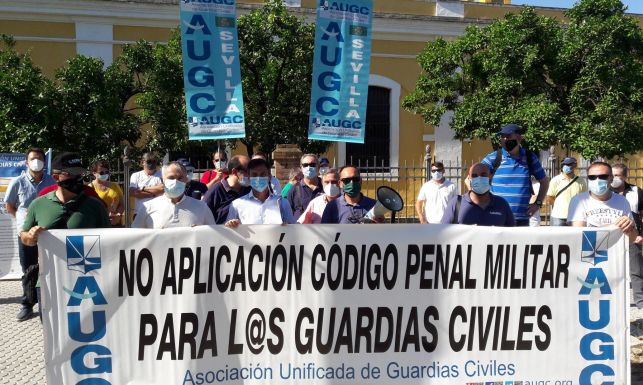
(146, 184)
(511, 168)
(174, 208)
(324, 166)
(20, 193)
(562, 188)
(65, 208)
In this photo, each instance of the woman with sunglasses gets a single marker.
(109, 192)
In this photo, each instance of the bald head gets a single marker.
(478, 169)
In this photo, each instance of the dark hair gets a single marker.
(349, 166)
(438, 165)
(214, 153)
(36, 150)
(235, 163)
(150, 156)
(99, 164)
(258, 162)
(620, 166)
(600, 164)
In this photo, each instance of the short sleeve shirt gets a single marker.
(497, 212)
(79, 213)
(561, 203)
(22, 190)
(436, 197)
(139, 180)
(512, 179)
(340, 211)
(596, 213)
(111, 196)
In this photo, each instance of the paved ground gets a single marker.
(21, 350)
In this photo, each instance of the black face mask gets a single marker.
(510, 144)
(73, 185)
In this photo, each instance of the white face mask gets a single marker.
(617, 182)
(36, 165)
(220, 165)
(174, 188)
(104, 177)
(331, 189)
(437, 175)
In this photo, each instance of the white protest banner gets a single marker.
(378, 304)
(11, 166)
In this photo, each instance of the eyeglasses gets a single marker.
(350, 180)
(599, 176)
(102, 172)
(311, 164)
(216, 160)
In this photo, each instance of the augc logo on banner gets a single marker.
(341, 70)
(211, 72)
(91, 360)
(596, 346)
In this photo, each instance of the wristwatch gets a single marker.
(539, 203)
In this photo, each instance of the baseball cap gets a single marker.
(69, 162)
(323, 161)
(509, 129)
(569, 160)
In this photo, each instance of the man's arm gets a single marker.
(11, 197)
(11, 209)
(419, 209)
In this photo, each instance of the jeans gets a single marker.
(636, 274)
(28, 256)
(557, 221)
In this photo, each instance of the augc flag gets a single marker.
(213, 96)
(341, 69)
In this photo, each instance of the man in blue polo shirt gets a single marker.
(511, 174)
(352, 206)
(235, 185)
(21, 192)
(478, 206)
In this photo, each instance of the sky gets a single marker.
(633, 6)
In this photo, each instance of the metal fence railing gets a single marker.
(408, 177)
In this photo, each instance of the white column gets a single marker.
(95, 40)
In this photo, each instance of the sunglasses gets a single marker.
(312, 164)
(102, 172)
(350, 180)
(599, 176)
(436, 170)
(216, 160)
(331, 182)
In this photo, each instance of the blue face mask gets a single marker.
(173, 188)
(567, 169)
(244, 180)
(309, 172)
(480, 185)
(598, 187)
(259, 183)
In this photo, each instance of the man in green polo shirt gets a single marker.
(65, 208)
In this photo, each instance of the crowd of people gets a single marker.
(242, 190)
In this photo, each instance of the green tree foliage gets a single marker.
(81, 111)
(578, 85)
(276, 55)
(25, 96)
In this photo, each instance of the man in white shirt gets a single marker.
(173, 208)
(315, 209)
(146, 184)
(434, 196)
(260, 206)
(601, 207)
